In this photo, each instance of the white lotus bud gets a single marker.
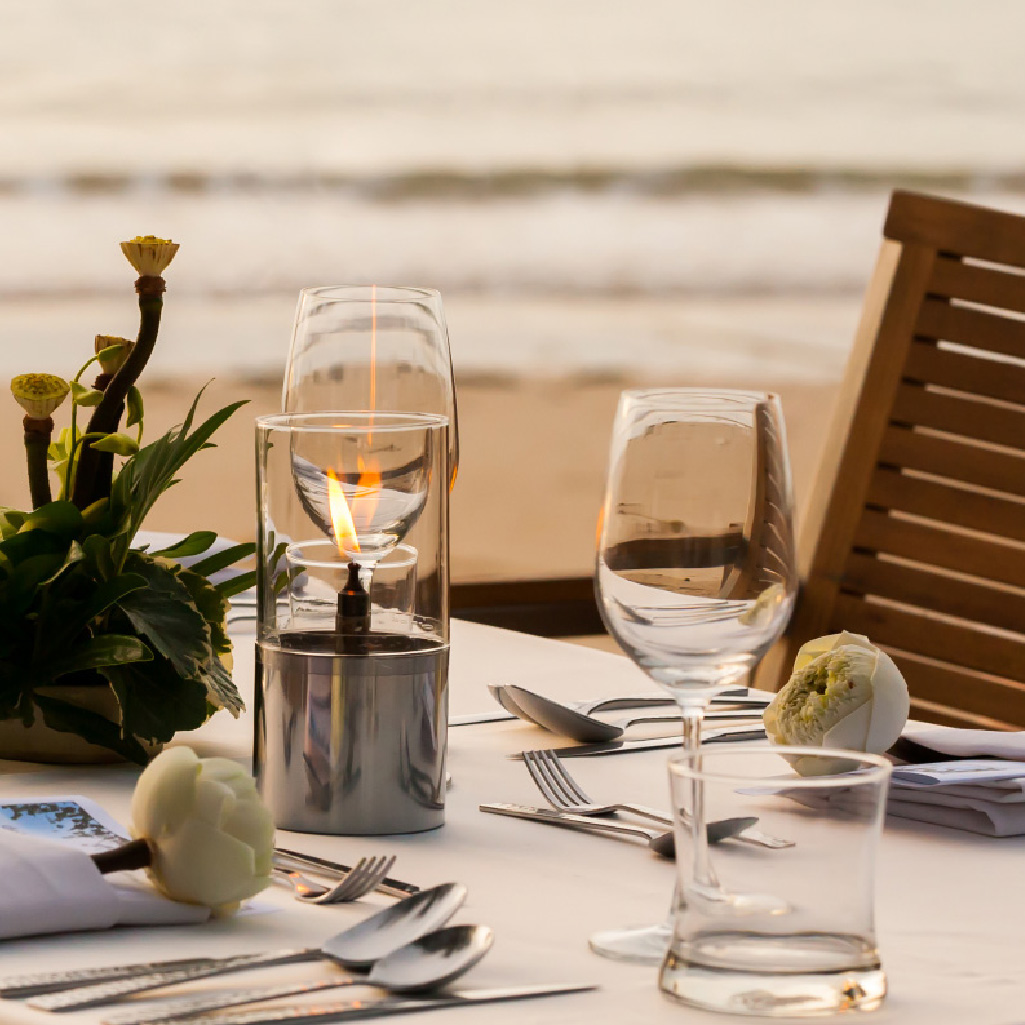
(211, 837)
(844, 692)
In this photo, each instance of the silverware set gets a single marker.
(578, 722)
(571, 808)
(406, 950)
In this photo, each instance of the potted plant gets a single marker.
(107, 650)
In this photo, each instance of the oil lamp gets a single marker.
(352, 646)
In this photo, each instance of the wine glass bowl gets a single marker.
(371, 347)
(367, 493)
(695, 570)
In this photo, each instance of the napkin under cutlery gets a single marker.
(953, 789)
(48, 886)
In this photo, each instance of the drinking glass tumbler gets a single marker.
(788, 932)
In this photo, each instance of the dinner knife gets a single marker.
(355, 1010)
(615, 747)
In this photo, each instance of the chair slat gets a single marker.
(945, 549)
(953, 459)
(976, 328)
(975, 510)
(963, 645)
(934, 591)
(929, 363)
(959, 228)
(959, 414)
(987, 286)
(991, 697)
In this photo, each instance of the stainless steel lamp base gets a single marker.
(351, 736)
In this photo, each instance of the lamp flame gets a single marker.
(353, 515)
(341, 518)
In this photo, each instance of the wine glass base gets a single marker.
(645, 944)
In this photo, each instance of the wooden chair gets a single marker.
(915, 534)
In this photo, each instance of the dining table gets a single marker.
(950, 904)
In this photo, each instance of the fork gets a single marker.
(563, 793)
(364, 876)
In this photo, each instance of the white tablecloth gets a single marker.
(951, 906)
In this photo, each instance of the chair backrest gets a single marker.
(915, 532)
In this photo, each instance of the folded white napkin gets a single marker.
(47, 887)
(946, 740)
(992, 808)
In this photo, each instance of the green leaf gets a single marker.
(83, 396)
(10, 521)
(74, 556)
(104, 650)
(99, 556)
(68, 718)
(152, 470)
(236, 585)
(198, 541)
(155, 701)
(166, 615)
(70, 622)
(21, 588)
(59, 449)
(119, 444)
(212, 605)
(221, 560)
(60, 518)
(134, 407)
(109, 352)
(220, 689)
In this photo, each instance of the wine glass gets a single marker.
(696, 575)
(371, 347)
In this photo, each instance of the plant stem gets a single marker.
(134, 854)
(37, 441)
(91, 483)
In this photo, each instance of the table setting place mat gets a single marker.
(49, 883)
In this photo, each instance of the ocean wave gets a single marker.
(455, 185)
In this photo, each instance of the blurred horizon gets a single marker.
(592, 186)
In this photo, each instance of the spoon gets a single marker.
(569, 722)
(428, 963)
(357, 947)
(501, 692)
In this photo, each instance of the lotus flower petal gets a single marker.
(212, 837)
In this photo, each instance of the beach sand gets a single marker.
(531, 473)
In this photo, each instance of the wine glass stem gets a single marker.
(693, 714)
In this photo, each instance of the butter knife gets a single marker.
(354, 1010)
(615, 747)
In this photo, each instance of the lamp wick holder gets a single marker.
(353, 615)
